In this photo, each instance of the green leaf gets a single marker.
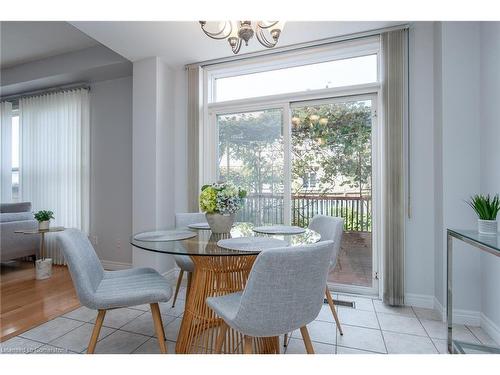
(485, 207)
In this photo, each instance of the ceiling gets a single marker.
(23, 42)
(180, 43)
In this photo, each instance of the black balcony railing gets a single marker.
(268, 209)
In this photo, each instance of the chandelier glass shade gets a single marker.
(237, 32)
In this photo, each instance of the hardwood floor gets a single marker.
(26, 303)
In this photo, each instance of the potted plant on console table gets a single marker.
(220, 202)
(487, 209)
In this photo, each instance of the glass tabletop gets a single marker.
(205, 243)
(37, 230)
(487, 240)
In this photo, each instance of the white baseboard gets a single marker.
(419, 300)
(472, 318)
(440, 309)
(468, 317)
(115, 266)
(490, 328)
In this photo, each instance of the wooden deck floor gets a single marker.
(26, 302)
(355, 260)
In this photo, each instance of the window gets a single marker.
(250, 154)
(309, 180)
(299, 132)
(15, 156)
(336, 73)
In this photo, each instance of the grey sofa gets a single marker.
(17, 216)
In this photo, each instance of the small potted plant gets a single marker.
(43, 217)
(220, 202)
(486, 209)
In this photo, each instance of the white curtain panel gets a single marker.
(6, 151)
(55, 159)
(395, 95)
(195, 102)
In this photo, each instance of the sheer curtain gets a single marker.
(395, 98)
(6, 151)
(55, 158)
(194, 108)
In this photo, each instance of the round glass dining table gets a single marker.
(217, 271)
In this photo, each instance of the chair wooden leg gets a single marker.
(248, 345)
(179, 280)
(334, 310)
(160, 333)
(221, 338)
(95, 332)
(307, 340)
(285, 340)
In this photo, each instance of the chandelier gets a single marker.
(237, 32)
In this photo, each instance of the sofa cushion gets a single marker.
(15, 216)
(15, 207)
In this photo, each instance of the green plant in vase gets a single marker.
(43, 217)
(486, 208)
(220, 202)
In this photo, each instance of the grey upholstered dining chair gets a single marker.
(104, 290)
(184, 262)
(284, 292)
(331, 229)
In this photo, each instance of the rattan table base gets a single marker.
(215, 276)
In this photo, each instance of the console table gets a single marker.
(487, 243)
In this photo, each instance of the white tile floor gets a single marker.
(369, 328)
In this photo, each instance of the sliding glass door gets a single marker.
(250, 154)
(300, 159)
(331, 174)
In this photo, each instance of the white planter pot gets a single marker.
(44, 225)
(43, 268)
(487, 226)
(220, 223)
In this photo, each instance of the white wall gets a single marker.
(460, 153)
(181, 140)
(153, 156)
(419, 227)
(439, 259)
(490, 156)
(111, 172)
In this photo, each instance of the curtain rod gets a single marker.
(72, 86)
(300, 46)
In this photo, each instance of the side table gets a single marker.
(43, 267)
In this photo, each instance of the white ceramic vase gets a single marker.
(220, 223)
(44, 225)
(43, 268)
(487, 226)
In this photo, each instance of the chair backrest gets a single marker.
(285, 290)
(84, 265)
(331, 228)
(182, 220)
